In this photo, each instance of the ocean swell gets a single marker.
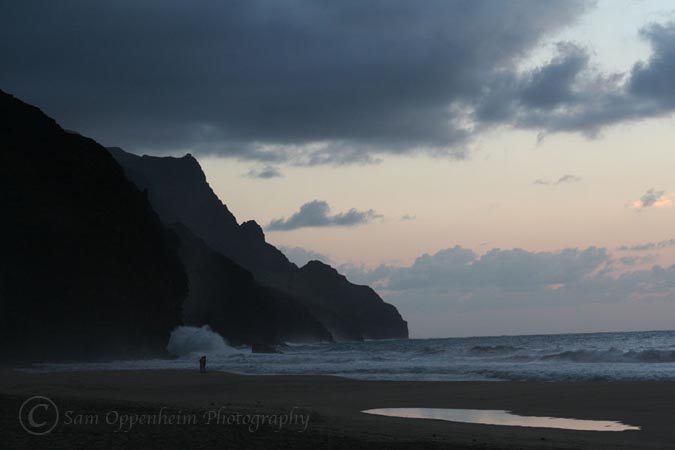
(614, 355)
(492, 349)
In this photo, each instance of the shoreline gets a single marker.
(334, 406)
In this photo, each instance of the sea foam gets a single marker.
(185, 341)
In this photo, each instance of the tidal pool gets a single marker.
(500, 417)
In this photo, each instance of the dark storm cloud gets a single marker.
(552, 84)
(580, 99)
(655, 79)
(308, 82)
(317, 82)
(317, 214)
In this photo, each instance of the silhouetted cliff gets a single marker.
(87, 269)
(227, 297)
(179, 192)
(357, 307)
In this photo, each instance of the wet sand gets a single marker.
(332, 407)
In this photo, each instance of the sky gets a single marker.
(490, 167)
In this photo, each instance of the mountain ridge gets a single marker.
(87, 269)
(348, 311)
(105, 253)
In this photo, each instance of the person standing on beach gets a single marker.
(202, 364)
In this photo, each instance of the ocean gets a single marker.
(646, 355)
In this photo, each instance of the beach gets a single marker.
(186, 409)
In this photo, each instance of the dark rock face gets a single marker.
(223, 294)
(176, 185)
(227, 297)
(350, 309)
(179, 192)
(87, 270)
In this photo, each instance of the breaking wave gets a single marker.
(587, 357)
(188, 340)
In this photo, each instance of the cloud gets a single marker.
(408, 217)
(319, 82)
(564, 179)
(567, 94)
(553, 84)
(459, 267)
(456, 291)
(316, 214)
(648, 246)
(504, 278)
(568, 179)
(655, 78)
(265, 172)
(636, 260)
(651, 199)
(301, 256)
(305, 82)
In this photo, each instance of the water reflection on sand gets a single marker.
(500, 417)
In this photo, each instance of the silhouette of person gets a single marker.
(202, 364)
